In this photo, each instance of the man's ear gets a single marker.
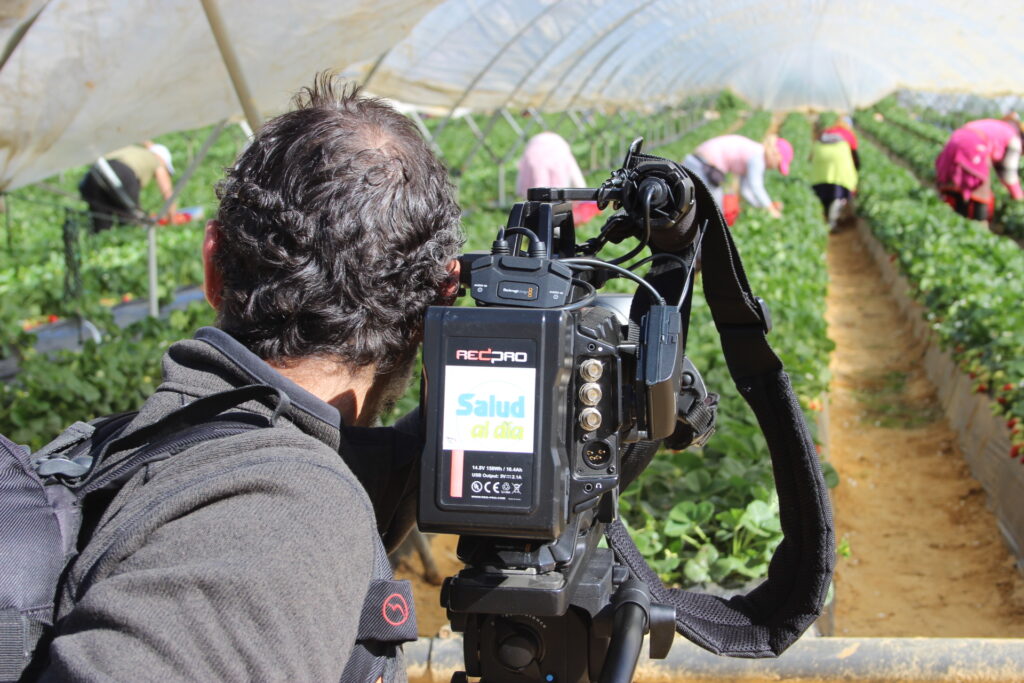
(450, 285)
(213, 281)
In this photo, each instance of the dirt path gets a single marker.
(926, 556)
(430, 617)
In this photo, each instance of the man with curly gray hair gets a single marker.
(258, 555)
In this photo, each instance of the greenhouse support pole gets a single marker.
(501, 185)
(154, 307)
(373, 69)
(227, 54)
(590, 74)
(18, 34)
(594, 41)
(151, 266)
(187, 175)
(7, 222)
(494, 60)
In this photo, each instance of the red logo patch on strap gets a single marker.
(395, 609)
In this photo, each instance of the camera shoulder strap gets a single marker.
(768, 619)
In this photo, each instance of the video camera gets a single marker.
(540, 403)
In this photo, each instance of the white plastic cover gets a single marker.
(780, 55)
(92, 76)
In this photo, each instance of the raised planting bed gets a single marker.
(918, 144)
(950, 277)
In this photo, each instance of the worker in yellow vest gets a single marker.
(834, 170)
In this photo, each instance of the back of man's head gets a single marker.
(337, 226)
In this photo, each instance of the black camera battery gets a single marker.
(502, 441)
(484, 458)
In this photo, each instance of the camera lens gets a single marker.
(591, 369)
(590, 394)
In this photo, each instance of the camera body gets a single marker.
(533, 400)
(528, 403)
(546, 398)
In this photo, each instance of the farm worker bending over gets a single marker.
(548, 161)
(747, 160)
(133, 167)
(962, 168)
(834, 169)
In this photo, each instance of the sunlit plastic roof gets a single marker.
(87, 77)
(777, 55)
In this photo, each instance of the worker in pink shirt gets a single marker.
(548, 161)
(747, 160)
(962, 169)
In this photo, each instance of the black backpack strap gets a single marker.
(201, 420)
(764, 622)
(105, 176)
(201, 410)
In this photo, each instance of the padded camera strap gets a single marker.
(768, 619)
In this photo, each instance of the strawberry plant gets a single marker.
(711, 515)
(953, 263)
(919, 144)
(53, 390)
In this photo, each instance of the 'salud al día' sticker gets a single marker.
(489, 409)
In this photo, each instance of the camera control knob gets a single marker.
(518, 649)
(590, 419)
(590, 394)
(591, 370)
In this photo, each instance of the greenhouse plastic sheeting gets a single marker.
(91, 76)
(779, 55)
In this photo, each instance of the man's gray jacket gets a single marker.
(243, 558)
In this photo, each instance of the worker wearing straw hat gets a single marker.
(112, 186)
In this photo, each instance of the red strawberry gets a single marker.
(1007, 387)
(982, 388)
(1011, 423)
(1001, 400)
(53, 318)
(1014, 450)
